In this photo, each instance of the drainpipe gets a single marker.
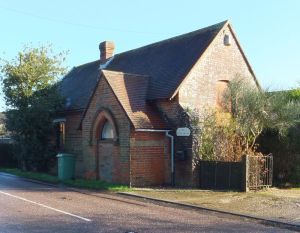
(172, 148)
(172, 157)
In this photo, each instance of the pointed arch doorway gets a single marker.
(105, 136)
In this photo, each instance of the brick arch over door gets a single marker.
(107, 151)
(99, 120)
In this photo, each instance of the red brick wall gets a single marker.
(150, 159)
(219, 62)
(183, 166)
(138, 158)
(104, 99)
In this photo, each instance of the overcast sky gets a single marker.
(268, 30)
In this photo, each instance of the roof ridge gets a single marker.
(120, 72)
(221, 24)
(87, 63)
(158, 42)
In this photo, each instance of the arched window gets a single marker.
(107, 131)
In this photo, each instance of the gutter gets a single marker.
(171, 137)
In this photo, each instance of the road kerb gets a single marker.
(266, 221)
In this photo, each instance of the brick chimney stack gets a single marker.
(106, 50)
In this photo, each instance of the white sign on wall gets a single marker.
(183, 132)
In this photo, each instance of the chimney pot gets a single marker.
(106, 50)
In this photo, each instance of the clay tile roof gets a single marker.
(166, 63)
(131, 91)
(78, 85)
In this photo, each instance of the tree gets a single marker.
(2, 124)
(231, 131)
(30, 88)
(294, 94)
(2, 130)
(286, 150)
(254, 110)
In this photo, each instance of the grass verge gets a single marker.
(97, 185)
(31, 175)
(78, 183)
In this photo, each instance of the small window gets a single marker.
(227, 40)
(60, 135)
(107, 131)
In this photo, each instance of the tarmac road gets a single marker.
(32, 207)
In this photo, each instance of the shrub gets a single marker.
(32, 97)
(286, 154)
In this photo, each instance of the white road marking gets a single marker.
(45, 206)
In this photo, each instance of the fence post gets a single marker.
(245, 176)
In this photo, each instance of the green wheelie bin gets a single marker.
(66, 166)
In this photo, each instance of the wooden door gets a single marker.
(105, 155)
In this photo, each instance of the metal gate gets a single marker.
(260, 171)
(221, 175)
